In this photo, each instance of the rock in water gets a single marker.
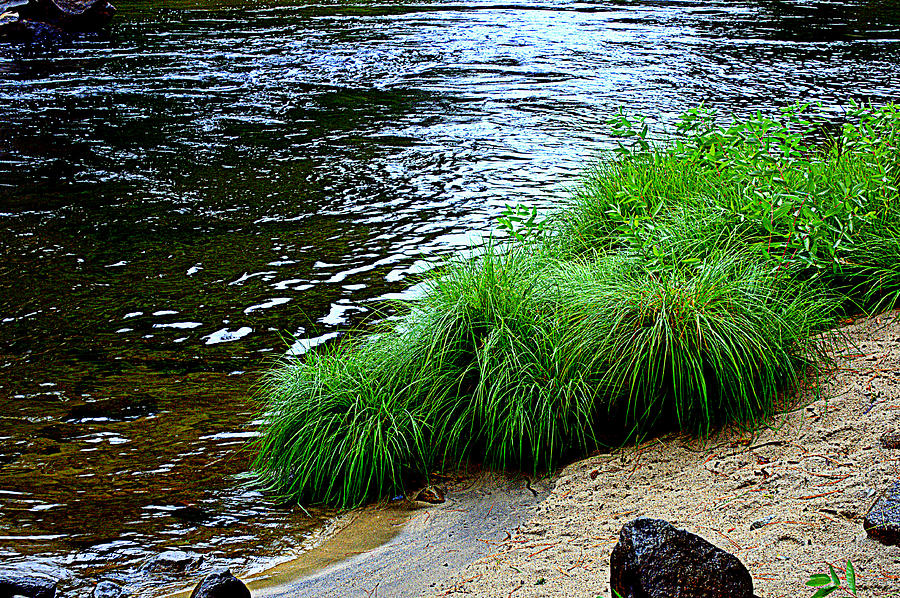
(172, 561)
(653, 559)
(39, 19)
(30, 586)
(221, 584)
(882, 523)
(108, 589)
(71, 15)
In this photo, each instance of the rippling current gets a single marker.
(218, 183)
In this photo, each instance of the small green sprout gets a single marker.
(830, 582)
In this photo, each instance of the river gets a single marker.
(219, 183)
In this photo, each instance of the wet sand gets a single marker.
(410, 548)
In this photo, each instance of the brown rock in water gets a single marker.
(221, 584)
(882, 523)
(172, 561)
(653, 559)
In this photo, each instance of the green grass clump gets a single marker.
(339, 429)
(696, 345)
(680, 289)
(523, 396)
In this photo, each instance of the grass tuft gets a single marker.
(696, 345)
(339, 429)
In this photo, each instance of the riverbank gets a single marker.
(787, 500)
(422, 545)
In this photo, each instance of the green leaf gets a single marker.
(851, 577)
(819, 579)
(834, 576)
(824, 591)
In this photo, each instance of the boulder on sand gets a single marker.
(14, 583)
(882, 523)
(654, 559)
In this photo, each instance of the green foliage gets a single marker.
(698, 344)
(800, 205)
(520, 222)
(831, 582)
(680, 288)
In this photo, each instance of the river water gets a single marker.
(219, 183)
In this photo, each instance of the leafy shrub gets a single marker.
(800, 204)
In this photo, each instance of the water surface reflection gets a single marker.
(221, 181)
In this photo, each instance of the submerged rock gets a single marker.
(882, 523)
(108, 589)
(114, 409)
(13, 583)
(173, 561)
(221, 584)
(59, 432)
(653, 559)
(189, 512)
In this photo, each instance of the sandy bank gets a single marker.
(787, 500)
(423, 544)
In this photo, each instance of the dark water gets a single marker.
(219, 180)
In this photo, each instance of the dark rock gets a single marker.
(763, 522)
(882, 523)
(41, 446)
(189, 512)
(173, 561)
(59, 432)
(7, 17)
(891, 440)
(70, 15)
(52, 22)
(653, 559)
(433, 494)
(30, 586)
(34, 32)
(109, 589)
(221, 584)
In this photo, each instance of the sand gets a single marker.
(406, 548)
(787, 500)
